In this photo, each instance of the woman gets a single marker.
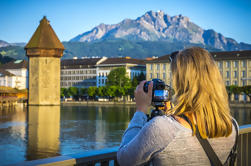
(200, 95)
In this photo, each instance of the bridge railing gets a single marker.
(106, 157)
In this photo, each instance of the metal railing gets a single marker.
(244, 146)
(106, 157)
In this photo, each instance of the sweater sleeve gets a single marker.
(143, 139)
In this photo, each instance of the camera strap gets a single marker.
(214, 160)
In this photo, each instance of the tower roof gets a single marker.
(44, 37)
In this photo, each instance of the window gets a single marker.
(243, 83)
(235, 83)
(243, 73)
(151, 75)
(244, 63)
(151, 66)
(235, 63)
(220, 64)
(164, 76)
(227, 64)
(227, 83)
(164, 66)
(157, 75)
(227, 73)
(235, 74)
(157, 66)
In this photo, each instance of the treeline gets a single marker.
(234, 89)
(121, 47)
(117, 85)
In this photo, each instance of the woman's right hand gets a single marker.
(143, 99)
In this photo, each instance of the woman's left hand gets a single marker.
(143, 99)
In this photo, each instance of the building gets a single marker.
(79, 72)
(14, 74)
(83, 73)
(133, 68)
(235, 67)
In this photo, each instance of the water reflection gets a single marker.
(92, 127)
(43, 132)
(12, 134)
(46, 131)
(242, 115)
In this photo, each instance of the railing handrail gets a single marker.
(92, 156)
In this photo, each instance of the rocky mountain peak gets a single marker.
(155, 26)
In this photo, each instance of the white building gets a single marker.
(133, 68)
(79, 72)
(94, 71)
(14, 74)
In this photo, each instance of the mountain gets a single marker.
(15, 52)
(158, 26)
(4, 43)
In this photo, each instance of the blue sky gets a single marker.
(20, 18)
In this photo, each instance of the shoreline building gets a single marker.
(79, 73)
(133, 68)
(235, 67)
(14, 74)
(83, 73)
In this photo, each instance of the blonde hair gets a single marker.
(200, 90)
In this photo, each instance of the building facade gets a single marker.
(83, 73)
(79, 73)
(14, 74)
(133, 68)
(235, 67)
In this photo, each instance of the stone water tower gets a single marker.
(44, 51)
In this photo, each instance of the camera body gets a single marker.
(160, 95)
(160, 91)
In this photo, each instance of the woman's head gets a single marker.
(199, 89)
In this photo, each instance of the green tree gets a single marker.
(141, 77)
(247, 90)
(92, 91)
(118, 77)
(100, 91)
(83, 91)
(119, 92)
(110, 91)
(73, 91)
(63, 92)
(137, 79)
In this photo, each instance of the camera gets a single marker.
(160, 90)
(160, 95)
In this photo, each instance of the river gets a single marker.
(47, 131)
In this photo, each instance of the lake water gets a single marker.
(47, 131)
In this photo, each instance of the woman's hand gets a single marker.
(143, 99)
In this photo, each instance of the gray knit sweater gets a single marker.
(164, 141)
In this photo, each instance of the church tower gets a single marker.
(44, 51)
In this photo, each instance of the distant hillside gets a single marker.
(158, 26)
(5, 59)
(15, 52)
(120, 47)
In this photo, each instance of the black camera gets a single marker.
(160, 95)
(160, 90)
